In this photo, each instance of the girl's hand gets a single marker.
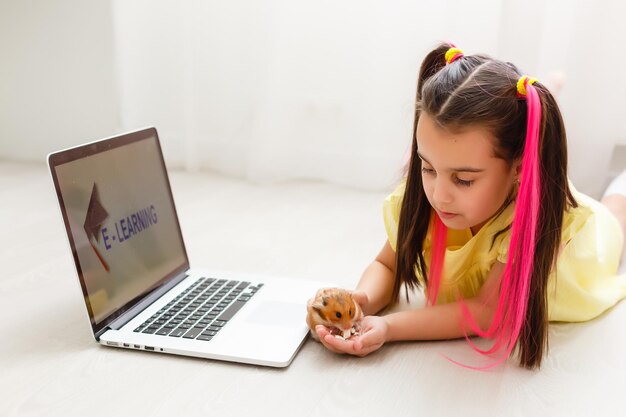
(361, 298)
(372, 336)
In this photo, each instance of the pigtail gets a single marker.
(521, 317)
(556, 197)
(431, 65)
(416, 213)
(510, 314)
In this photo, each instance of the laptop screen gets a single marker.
(119, 213)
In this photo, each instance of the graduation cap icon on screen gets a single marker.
(96, 216)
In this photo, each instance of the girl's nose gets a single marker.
(442, 193)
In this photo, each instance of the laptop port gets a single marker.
(148, 348)
(137, 346)
(126, 345)
(112, 343)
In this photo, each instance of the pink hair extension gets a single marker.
(515, 286)
(437, 255)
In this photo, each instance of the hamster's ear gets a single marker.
(324, 301)
(318, 308)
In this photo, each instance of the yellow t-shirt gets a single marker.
(585, 282)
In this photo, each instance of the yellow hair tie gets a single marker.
(521, 84)
(452, 54)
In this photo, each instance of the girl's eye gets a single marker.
(463, 182)
(458, 181)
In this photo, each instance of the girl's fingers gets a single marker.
(360, 298)
(372, 335)
(333, 343)
(322, 332)
(340, 345)
(353, 346)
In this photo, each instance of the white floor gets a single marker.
(50, 364)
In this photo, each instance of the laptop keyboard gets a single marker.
(201, 310)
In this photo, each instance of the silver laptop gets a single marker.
(139, 290)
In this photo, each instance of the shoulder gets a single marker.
(393, 201)
(590, 217)
(391, 212)
(574, 218)
(397, 194)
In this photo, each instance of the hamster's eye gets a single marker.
(350, 312)
(338, 314)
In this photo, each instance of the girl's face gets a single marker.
(463, 179)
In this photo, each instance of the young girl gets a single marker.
(487, 222)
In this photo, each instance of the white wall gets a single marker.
(579, 38)
(284, 89)
(57, 84)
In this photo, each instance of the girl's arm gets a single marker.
(377, 281)
(443, 321)
(446, 321)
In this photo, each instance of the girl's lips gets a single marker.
(445, 215)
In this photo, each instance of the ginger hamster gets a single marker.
(336, 309)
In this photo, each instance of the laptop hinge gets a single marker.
(119, 322)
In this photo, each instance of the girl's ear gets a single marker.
(517, 167)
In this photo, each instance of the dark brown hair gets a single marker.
(480, 91)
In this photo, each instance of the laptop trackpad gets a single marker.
(278, 313)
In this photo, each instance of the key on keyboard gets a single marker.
(201, 310)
